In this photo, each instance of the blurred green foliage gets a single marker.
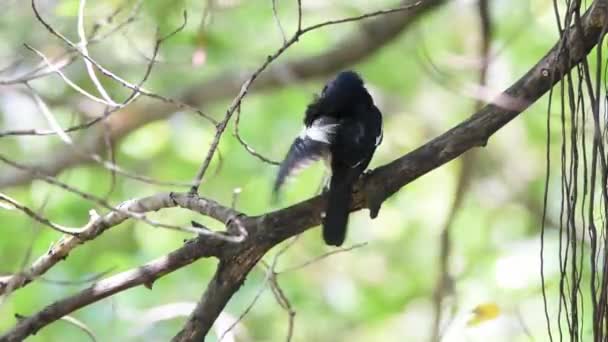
(380, 292)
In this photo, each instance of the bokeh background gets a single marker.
(424, 83)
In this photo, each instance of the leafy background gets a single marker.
(382, 291)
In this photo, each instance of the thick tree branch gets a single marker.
(144, 275)
(266, 231)
(368, 39)
(228, 278)
(388, 179)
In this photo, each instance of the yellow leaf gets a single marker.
(484, 312)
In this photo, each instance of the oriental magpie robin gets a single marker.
(343, 127)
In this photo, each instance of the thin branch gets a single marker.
(99, 224)
(299, 15)
(50, 118)
(35, 231)
(144, 275)
(56, 128)
(100, 201)
(14, 204)
(67, 80)
(284, 302)
(321, 257)
(236, 102)
(248, 147)
(70, 56)
(131, 17)
(137, 89)
(77, 282)
(275, 14)
(81, 326)
(85, 51)
(269, 278)
(360, 44)
(43, 70)
(360, 17)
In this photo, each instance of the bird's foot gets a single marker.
(374, 196)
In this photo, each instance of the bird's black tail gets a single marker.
(336, 215)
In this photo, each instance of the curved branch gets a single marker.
(383, 182)
(367, 40)
(144, 275)
(99, 224)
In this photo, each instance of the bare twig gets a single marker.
(42, 71)
(135, 88)
(70, 56)
(56, 128)
(31, 213)
(101, 201)
(278, 20)
(322, 256)
(284, 302)
(236, 102)
(355, 47)
(67, 80)
(85, 51)
(80, 325)
(77, 282)
(360, 17)
(35, 231)
(99, 224)
(248, 147)
(269, 278)
(247, 309)
(144, 275)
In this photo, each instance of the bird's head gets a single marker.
(345, 84)
(339, 96)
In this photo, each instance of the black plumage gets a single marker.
(344, 127)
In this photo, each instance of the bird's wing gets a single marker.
(358, 138)
(312, 145)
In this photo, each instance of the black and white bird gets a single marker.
(343, 127)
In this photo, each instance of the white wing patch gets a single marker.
(357, 164)
(379, 138)
(321, 130)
